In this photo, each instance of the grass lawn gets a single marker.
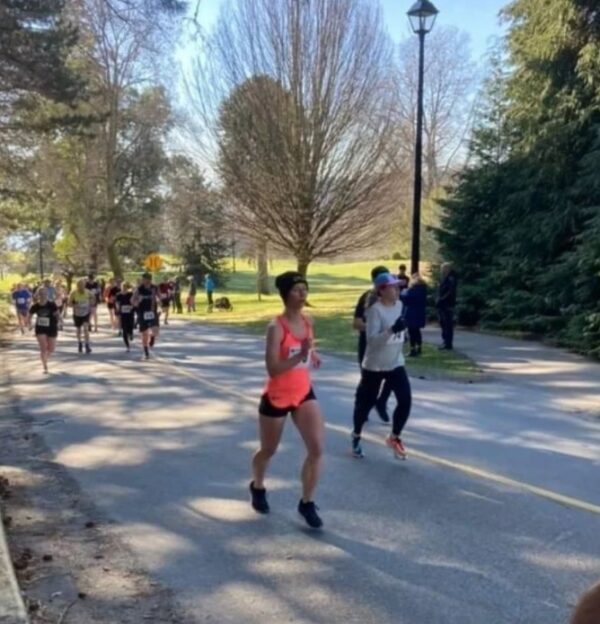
(334, 289)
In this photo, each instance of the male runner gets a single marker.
(145, 299)
(82, 300)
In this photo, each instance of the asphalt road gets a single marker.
(163, 449)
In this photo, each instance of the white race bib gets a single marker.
(295, 351)
(149, 316)
(20, 301)
(43, 321)
(126, 309)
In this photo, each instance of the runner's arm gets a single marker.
(315, 358)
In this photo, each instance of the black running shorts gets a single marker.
(266, 408)
(80, 321)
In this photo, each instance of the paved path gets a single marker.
(572, 381)
(163, 449)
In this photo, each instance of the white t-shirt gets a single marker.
(384, 352)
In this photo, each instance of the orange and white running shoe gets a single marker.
(395, 443)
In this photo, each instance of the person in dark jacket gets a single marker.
(415, 317)
(446, 303)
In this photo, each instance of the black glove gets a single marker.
(398, 326)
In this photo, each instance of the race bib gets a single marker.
(396, 338)
(43, 321)
(20, 301)
(126, 309)
(82, 309)
(148, 316)
(293, 351)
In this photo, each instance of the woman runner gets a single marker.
(165, 294)
(82, 301)
(46, 325)
(384, 360)
(289, 354)
(126, 313)
(110, 295)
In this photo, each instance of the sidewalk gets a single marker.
(574, 381)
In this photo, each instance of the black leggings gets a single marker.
(127, 323)
(366, 397)
(415, 337)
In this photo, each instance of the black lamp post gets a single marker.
(422, 18)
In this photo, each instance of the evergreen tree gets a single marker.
(34, 45)
(522, 222)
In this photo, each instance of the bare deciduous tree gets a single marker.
(296, 97)
(451, 78)
(448, 103)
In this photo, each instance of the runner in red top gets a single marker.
(165, 295)
(289, 356)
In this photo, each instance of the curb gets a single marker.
(12, 608)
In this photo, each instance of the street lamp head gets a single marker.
(422, 16)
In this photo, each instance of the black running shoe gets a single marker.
(80, 347)
(356, 446)
(259, 499)
(309, 512)
(88, 349)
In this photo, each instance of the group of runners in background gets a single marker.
(44, 308)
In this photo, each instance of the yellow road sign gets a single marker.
(153, 262)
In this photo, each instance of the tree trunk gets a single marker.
(262, 269)
(115, 261)
(302, 266)
(94, 263)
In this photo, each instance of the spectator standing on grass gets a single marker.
(191, 300)
(209, 286)
(415, 313)
(176, 287)
(403, 278)
(446, 302)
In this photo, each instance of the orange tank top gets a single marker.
(291, 387)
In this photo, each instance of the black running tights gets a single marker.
(368, 390)
(127, 322)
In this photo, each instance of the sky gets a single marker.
(479, 18)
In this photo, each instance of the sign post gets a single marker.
(153, 263)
